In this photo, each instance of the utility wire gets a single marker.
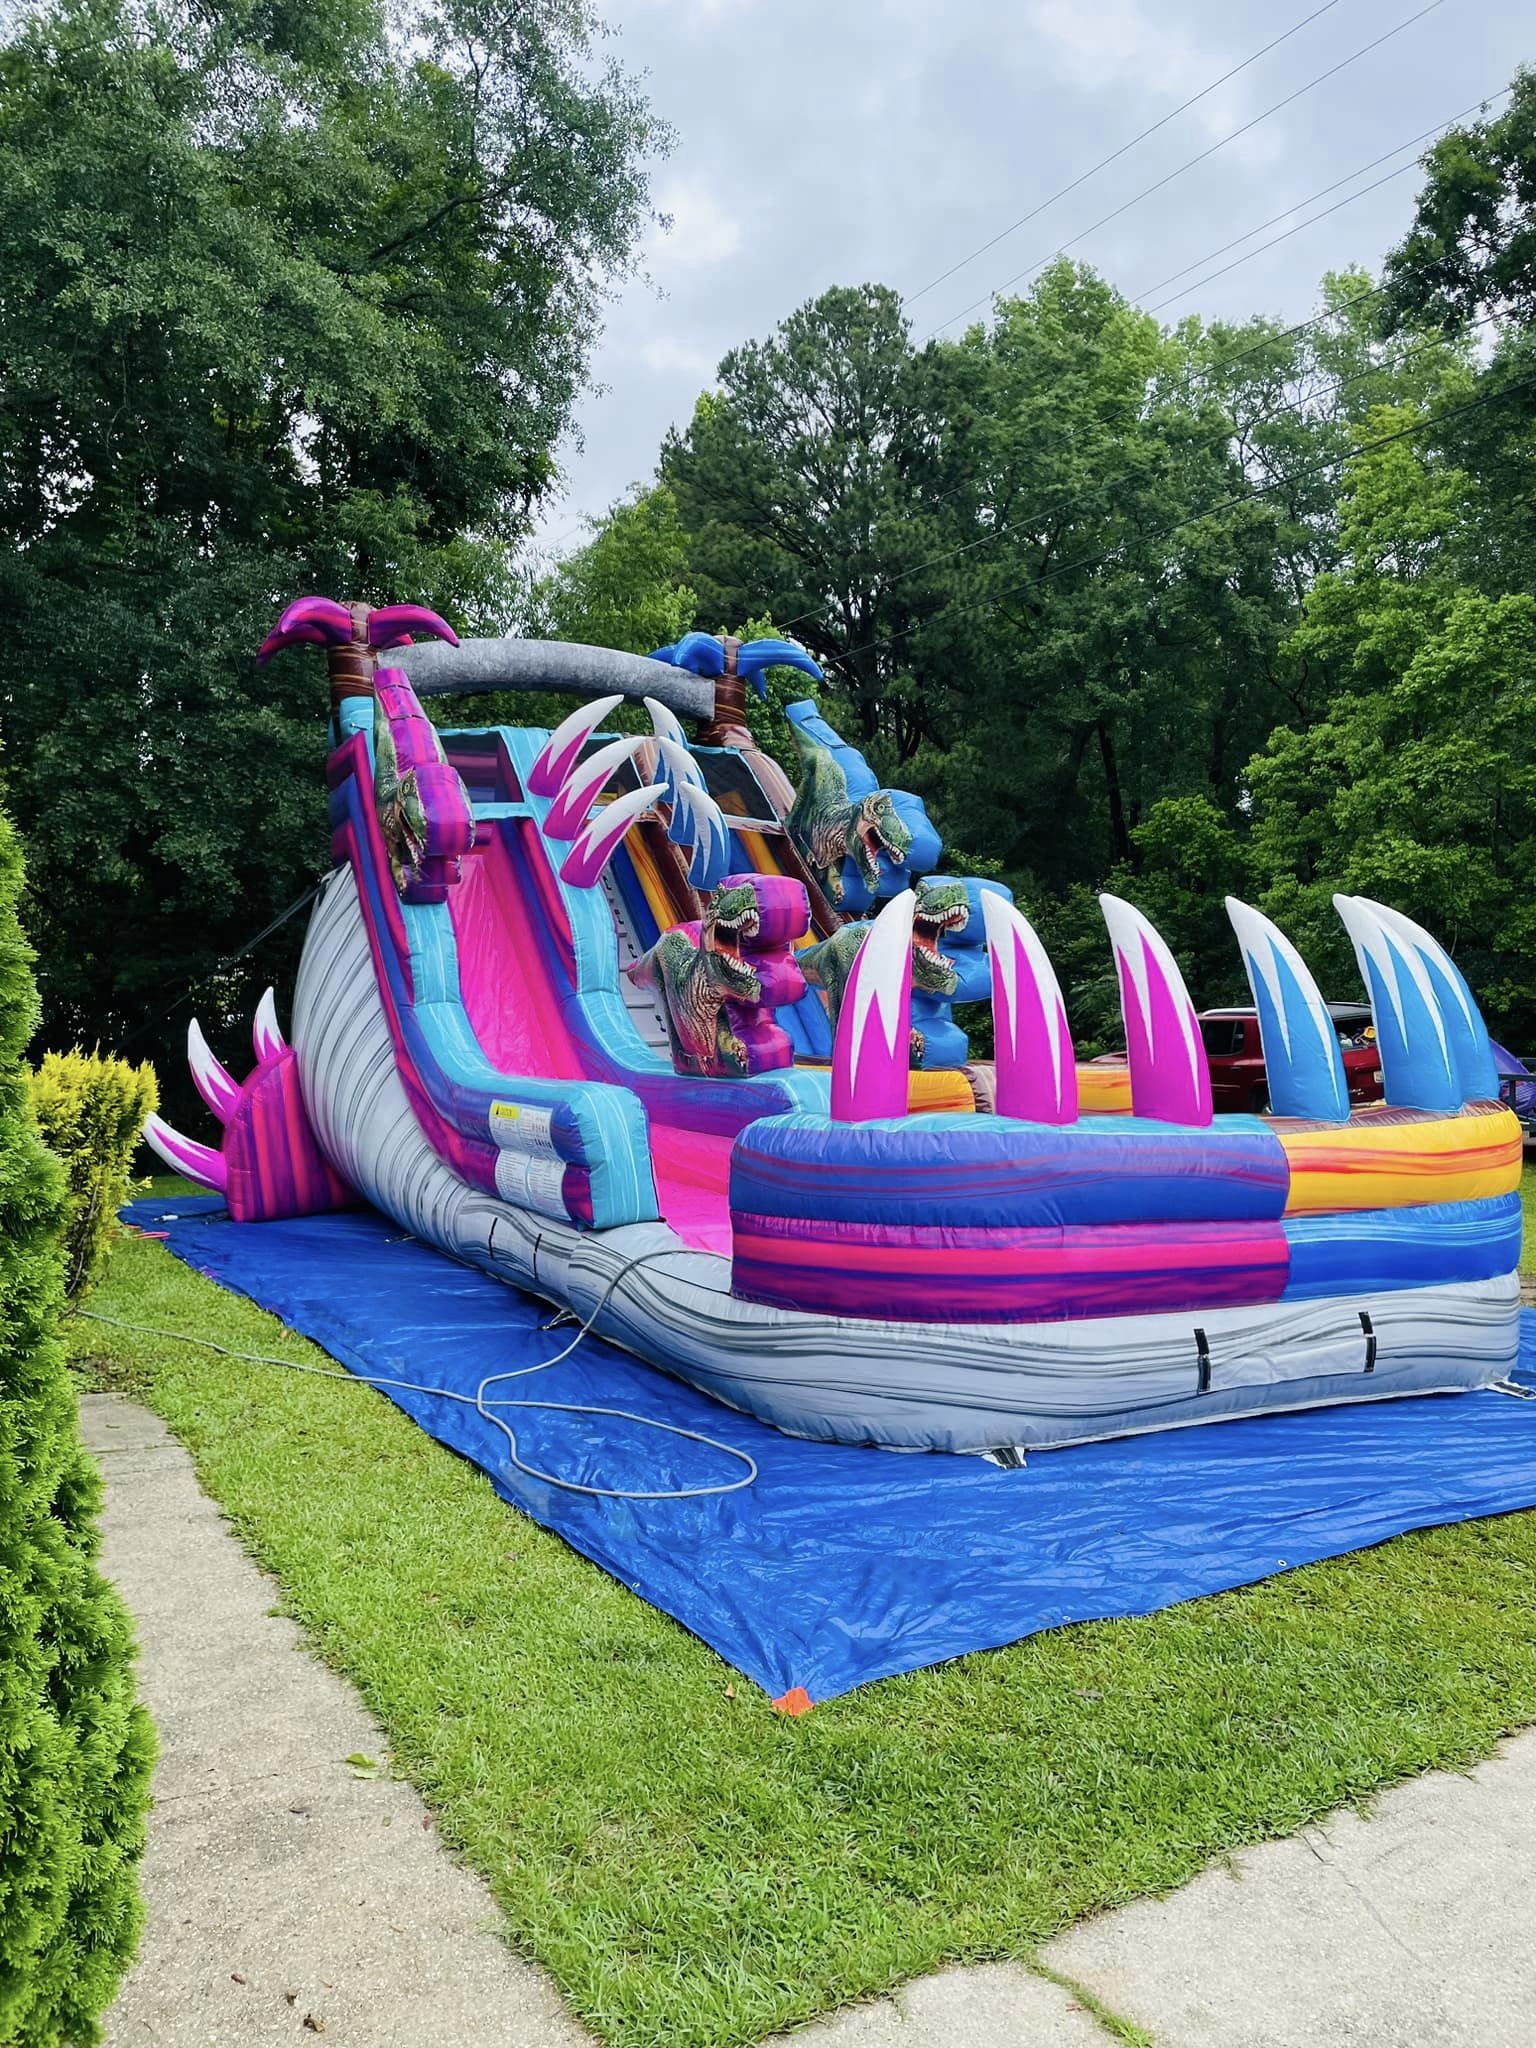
(1144, 292)
(1203, 156)
(1193, 518)
(219, 966)
(1115, 155)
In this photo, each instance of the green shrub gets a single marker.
(74, 1744)
(90, 1109)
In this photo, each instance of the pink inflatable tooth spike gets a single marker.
(1170, 1079)
(871, 1052)
(584, 785)
(562, 750)
(1036, 1068)
(212, 1079)
(325, 618)
(267, 1040)
(184, 1155)
(592, 851)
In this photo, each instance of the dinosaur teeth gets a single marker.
(871, 1052)
(1169, 1075)
(1036, 1070)
(185, 1155)
(1303, 1066)
(213, 1081)
(561, 751)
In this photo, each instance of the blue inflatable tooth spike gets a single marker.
(759, 655)
(677, 766)
(1417, 1067)
(1470, 1047)
(1302, 1061)
(705, 829)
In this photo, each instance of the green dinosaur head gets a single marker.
(731, 918)
(876, 829)
(941, 907)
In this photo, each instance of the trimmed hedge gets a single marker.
(75, 1746)
(90, 1109)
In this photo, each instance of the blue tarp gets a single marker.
(840, 1566)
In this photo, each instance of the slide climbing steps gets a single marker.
(644, 1010)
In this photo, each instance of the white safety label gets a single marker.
(518, 1127)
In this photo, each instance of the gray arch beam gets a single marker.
(478, 666)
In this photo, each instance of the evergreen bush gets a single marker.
(75, 1746)
(90, 1109)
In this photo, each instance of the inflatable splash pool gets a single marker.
(632, 1022)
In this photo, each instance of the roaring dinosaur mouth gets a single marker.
(730, 933)
(928, 927)
(875, 842)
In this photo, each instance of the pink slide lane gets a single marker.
(514, 1010)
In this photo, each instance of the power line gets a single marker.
(1193, 518)
(1426, 135)
(1115, 155)
(1025, 520)
(1203, 156)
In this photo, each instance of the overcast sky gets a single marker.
(825, 142)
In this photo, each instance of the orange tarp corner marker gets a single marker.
(796, 1701)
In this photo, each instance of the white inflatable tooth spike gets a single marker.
(268, 1041)
(212, 1079)
(184, 1155)
(562, 750)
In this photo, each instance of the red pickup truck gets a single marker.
(1236, 1056)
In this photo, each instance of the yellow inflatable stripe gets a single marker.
(1392, 1159)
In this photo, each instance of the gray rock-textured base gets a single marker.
(289, 1899)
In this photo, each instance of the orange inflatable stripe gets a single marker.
(1393, 1159)
(657, 894)
(1103, 1091)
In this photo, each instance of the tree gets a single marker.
(1417, 785)
(626, 586)
(74, 1745)
(321, 284)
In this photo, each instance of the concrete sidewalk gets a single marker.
(289, 1897)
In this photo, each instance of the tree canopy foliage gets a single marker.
(1228, 607)
(291, 298)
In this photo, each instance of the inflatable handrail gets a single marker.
(475, 667)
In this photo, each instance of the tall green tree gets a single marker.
(1417, 783)
(320, 285)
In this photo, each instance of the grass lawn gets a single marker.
(697, 1871)
(1528, 1204)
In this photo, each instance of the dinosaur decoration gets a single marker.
(720, 978)
(943, 907)
(424, 811)
(829, 826)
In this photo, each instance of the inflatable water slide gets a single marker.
(630, 1020)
